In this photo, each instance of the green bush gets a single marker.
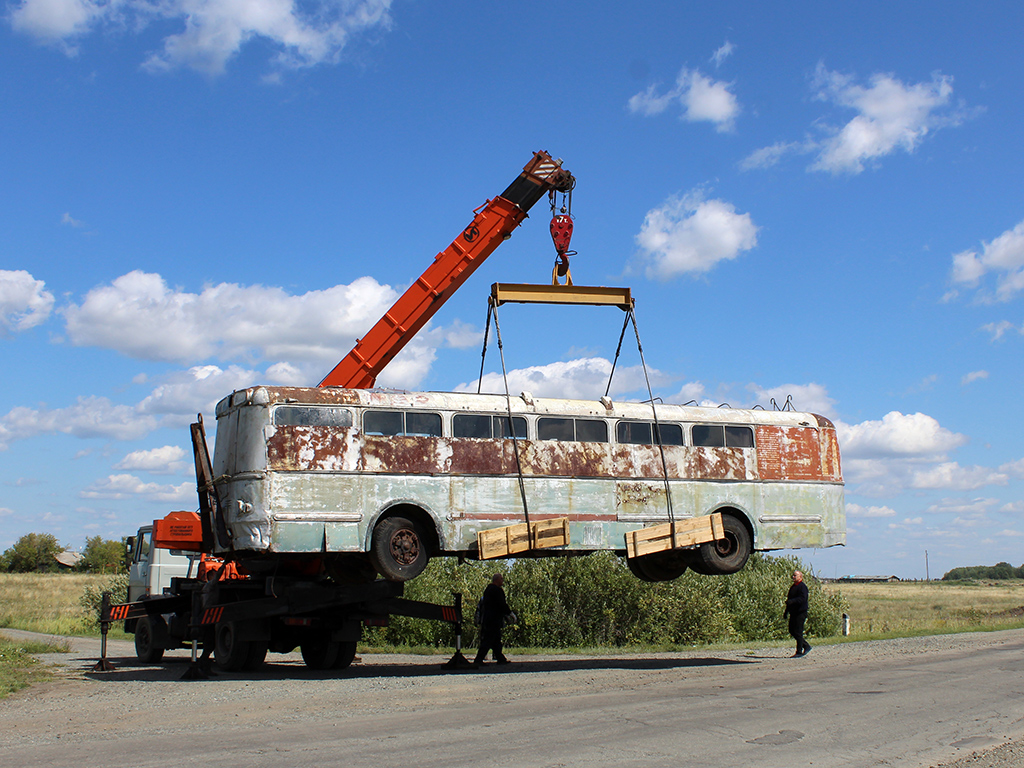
(92, 597)
(594, 601)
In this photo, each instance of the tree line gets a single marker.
(37, 553)
(999, 571)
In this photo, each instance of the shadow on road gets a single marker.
(172, 669)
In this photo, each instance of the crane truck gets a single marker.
(193, 581)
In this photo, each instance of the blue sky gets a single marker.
(821, 201)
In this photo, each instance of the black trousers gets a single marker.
(796, 629)
(490, 640)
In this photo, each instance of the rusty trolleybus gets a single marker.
(377, 480)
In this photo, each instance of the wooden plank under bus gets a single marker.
(688, 533)
(514, 539)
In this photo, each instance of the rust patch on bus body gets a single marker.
(788, 453)
(313, 448)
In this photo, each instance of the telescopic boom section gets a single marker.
(493, 223)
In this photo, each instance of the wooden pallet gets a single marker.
(513, 539)
(689, 533)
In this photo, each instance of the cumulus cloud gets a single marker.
(583, 379)
(24, 303)
(897, 434)
(689, 234)
(125, 486)
(87, 417)
(701, 98)
(208, 33)
(165, 460)
(1003, 257)
(856, 510)
(949, 475)
(891, 116)
(303, 336)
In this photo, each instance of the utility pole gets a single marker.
(926, 576)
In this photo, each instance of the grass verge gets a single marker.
(18, 668)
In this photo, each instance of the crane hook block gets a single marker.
(561, 232)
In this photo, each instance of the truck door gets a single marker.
(138, 574)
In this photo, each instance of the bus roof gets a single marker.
(521, 404)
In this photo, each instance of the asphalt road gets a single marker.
(910, 703)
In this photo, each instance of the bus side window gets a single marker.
(554, 428)
(501, 427)
(591, 431)
(739, 437)
(423, 424)
(708, 435)
(671, 434)
(385, 423)
(311, 416)
(633, 432)
(471, 425)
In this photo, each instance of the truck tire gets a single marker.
(727, 555)
(145, 646)
(230, 652)
(320, 653)
(257, 655)
(346, 654)
(399, 549)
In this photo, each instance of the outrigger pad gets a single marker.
(458, 661)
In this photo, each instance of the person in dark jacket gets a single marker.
(796, 610)
(495, 610)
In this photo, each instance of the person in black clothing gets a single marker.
(796, 609)
(495, 609)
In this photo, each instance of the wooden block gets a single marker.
(513, 539)
(688, 533)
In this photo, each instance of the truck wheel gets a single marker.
(346, 654)
(257, 655)
(399, 549)
(145, 648)
(231, 652)
(727, 555)
(320, 653)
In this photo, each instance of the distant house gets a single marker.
(865, 579)
(68, 559)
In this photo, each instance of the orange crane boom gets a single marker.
(494, 222)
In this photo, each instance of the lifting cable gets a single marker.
(631, 317)
(493, 309)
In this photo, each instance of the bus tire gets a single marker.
(729, 554)
(660, 566)
(145, 641)
(231, 652)
(399, 549)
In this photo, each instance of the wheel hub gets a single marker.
(405, 547)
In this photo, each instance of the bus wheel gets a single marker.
(231, 652)
(727, 555)
(346, 654)
(399, 549)
(661, 566)
(145, 647)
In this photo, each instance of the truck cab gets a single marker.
(152, 568)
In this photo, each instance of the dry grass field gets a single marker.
(925, 607)
(47, 602)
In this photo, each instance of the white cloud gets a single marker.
(128, 486)
(303, 336)
(24, 303)
(212, 31)
(583, 379)
(1004, 257)
(915, 435)
(691, 235)
(856, 510)
(891, 116)
(949, 475)
(972, 377)
(702, 100)
(722, 53)
(166, 460)
(998, 330)
(88, 417)
(70, 222)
